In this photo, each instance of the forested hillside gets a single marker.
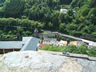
(21, 17)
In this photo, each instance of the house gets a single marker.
(8, 46)
(61, 43)
(92, 44)
(27, 43)
(64, 11)
(51, 41)
(77, 43)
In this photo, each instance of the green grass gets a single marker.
(72, 49)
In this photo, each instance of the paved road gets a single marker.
(65, 35)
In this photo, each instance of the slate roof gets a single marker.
(31, 44)
(25, 39)
(10, 44)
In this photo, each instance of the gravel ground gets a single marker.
(31, 61)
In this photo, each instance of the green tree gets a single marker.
(13, 8)
(62, 27)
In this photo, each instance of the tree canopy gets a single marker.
(80, 20)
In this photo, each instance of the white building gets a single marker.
(63, 10)
(62, 43)
(51, 41)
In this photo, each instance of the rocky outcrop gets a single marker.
(31, 61)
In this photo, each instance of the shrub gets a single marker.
(72, 49)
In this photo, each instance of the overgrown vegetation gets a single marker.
(82, 23)
(72, 49)
(14, 29)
